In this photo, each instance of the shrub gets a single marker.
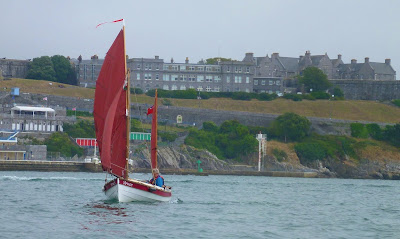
(166, 136)
(136, 91)
(210, 126)
(279, 154)
(374, 131)
(308, 152)
(358, 130)
(396, 102)
(320, 95)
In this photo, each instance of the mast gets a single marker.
(128, 104)
(154, 135)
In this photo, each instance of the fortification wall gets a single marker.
(369, 89)
(14, 68)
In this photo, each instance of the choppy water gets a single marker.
(72, 205)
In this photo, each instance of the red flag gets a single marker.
(150, 111)
(119, 20)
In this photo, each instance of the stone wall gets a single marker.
(369, 89)
(14, 68)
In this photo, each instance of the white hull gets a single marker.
(133, 190)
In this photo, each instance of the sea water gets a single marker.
(72, 205)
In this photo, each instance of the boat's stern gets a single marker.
(111, 189)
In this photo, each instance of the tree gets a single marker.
(315, 79)
(60, 142)
(41, 68)
(291, 126)
(56, 68)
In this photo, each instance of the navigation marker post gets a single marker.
(262, 148)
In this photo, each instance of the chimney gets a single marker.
(172, 60)
(248, 57)
(353, 61)
(387, 61)
(300, 57)
(187, 60)
(366, 59)
(275, 55)
(156, 57)
(339, 57)
(308, 53)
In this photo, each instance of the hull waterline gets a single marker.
(132, 190)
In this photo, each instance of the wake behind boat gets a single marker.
(112, 123)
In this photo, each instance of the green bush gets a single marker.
(358, 130)
(60, 142)
(338, 93)
(320, 95)
(210, 126)
(168, 137)
(374, 130)
(279, 154)
(308, 152)
(81, 129)
(396, 102)
(136, 91)
(79, 113)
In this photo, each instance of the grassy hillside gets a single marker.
(348, 109)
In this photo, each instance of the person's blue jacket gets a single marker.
(159, 181)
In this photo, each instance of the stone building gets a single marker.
(14, 68)
(367, 70)
(87, 71)
(151, 73)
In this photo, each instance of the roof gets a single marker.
(381, 68)
(316, 59)
(33, 108)
(290, 63)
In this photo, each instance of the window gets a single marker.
(200, 68)
(165, 87)
(228, 69)
(174, 87)
(263, 82)
(191, 87)
(247, 90)
(174, 77)
(247, 79)
(192, 77)
(191, 68)
(138, 76)
(228, 79)
(236, 69)
(150, 66)
(208, 88)
(146, 67)
(208, 68)
(138, 66)
(216, 89)
(278, 82)
(209, 79)
(183, 87)
(157, 67)
(165, 77)
(217, 78)
(270, 92)
(238, 79)
(182, 68)
(271, 82)
(156, 76)
(200, 78)
(255, 82)
(240, 69)
(200, 88)
(248, 69)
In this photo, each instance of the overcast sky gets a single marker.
(203, 29)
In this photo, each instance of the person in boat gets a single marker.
(157, 178)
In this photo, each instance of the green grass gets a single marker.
(347, 109)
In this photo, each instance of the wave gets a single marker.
(17, 178)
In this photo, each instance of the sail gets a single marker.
(154, 135)
(110, 109)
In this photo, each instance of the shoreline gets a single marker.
(63, 166)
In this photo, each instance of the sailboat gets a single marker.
(112, 124)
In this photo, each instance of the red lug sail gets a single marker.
(154, 135)
(110, 109)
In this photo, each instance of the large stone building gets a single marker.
(10, 68)
(151, 73)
